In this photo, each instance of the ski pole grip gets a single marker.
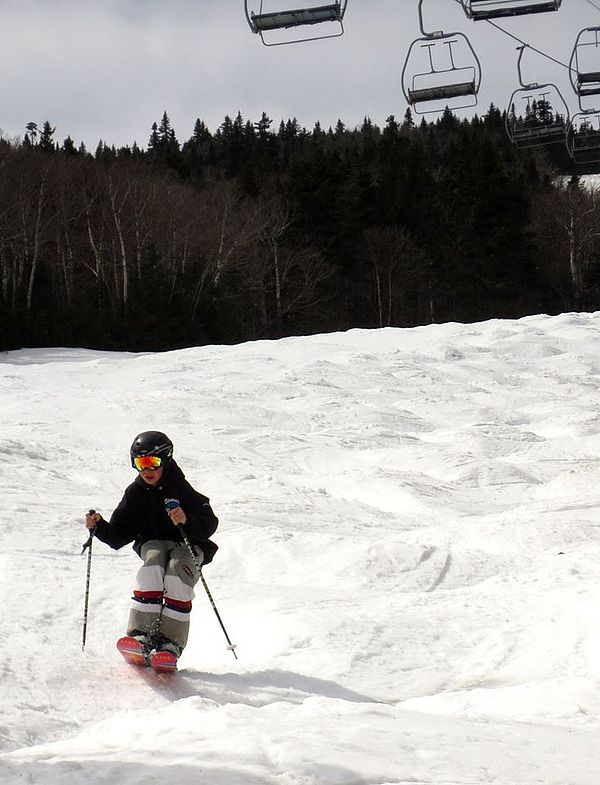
(88, 543)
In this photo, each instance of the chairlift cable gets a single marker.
(529, 46)
(597, 7)
(524, 43)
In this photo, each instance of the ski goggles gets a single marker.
(151, 462)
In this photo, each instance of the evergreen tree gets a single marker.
(154, 141)
(197, 153)
(391, 128)
(163, 146)
(46, 141)
(263, 127)
(201, 135)
(68, 147)
(340, 129)
(445, 213)
(408, 123)
(31, 134)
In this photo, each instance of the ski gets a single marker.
(163, 662)
(132, 651)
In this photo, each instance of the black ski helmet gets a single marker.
(152, 443)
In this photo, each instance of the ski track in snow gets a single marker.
(409, 550)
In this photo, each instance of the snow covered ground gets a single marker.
(409, 561)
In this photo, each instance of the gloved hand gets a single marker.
(174, 511)
(91, 519)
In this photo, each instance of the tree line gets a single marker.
(256, 231)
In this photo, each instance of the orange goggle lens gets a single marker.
(142, 462)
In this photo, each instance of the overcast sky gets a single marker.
(108, 69)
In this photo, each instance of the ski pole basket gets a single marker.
(268, 23)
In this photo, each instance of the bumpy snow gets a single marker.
(409, 561)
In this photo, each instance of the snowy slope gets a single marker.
(409, 558)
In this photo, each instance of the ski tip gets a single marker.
(132, 651)
(163, 662)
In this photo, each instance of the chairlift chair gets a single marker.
(584, 67)
(524, 134)
(267, 22)
(583, 139)
(530, 132)
(478, 10)
(431, 78)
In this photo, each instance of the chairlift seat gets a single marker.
(278, 20)
(588, 83)
(591, 76)
(584, 73)
(538, 135)
(442, 92)
(587, 143)
(584, 91)
(583, 142)
(481, 9)
(585, 152)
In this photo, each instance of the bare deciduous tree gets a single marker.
(232, 224)
(398, 269)
(566, 220)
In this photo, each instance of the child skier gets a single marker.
(158, 506)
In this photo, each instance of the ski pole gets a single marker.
(170, 504)
(87, 545)
(194, 555)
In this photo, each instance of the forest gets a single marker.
(263, 230)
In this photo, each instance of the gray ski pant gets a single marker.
(163, 593)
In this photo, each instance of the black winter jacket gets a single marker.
(141, 514)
